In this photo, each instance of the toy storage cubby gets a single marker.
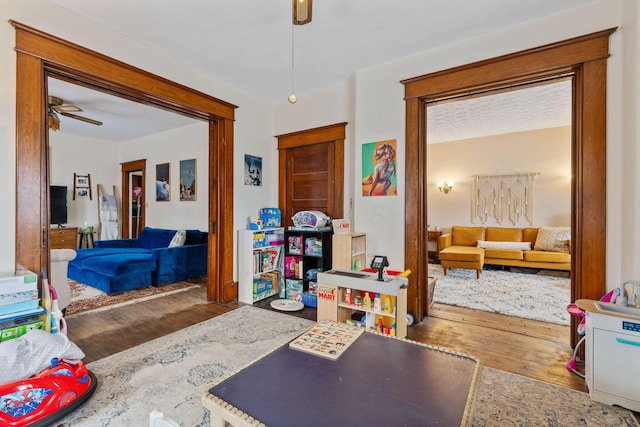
(307, 252)
(332, 304)
(260, 264)
(349, 251)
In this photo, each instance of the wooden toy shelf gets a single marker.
(332, 286)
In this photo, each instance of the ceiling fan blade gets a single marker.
(66, 108)
(84, 119)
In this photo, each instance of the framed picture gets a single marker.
(163, 193)
(379, 170)
(82, 181)
(82, 186)
(82, 193)
(252, 170)
(188, 180)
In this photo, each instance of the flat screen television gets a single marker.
(58, 205)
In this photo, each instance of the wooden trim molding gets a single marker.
(39, 55)
(68, 59)
(584, 59)
(125, 169)
(312, 136)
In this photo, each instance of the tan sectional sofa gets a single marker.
(473, 247)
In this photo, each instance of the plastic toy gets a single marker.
(574, 310)
(49, 396)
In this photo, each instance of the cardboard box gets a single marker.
(14, 328)
(18, 307)
(19, 297)
(18, 291)
(21, 280)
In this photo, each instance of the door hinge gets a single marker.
(213, 227)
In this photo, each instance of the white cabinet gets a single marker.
(349, 251)
(612, 352)
(260, 264)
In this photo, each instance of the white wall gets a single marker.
(71, 154)
(102, 159)
(252, 127)
(330, 106)
(545, 151)
(188, 142)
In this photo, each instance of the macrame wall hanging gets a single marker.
(502, 197)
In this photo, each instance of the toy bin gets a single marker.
(310, 300)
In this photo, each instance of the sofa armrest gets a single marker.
(118, 243)
(444, 241)
(179, 263)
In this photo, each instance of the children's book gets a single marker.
(328, 339)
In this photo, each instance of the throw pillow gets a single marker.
(554, 239)
(178, 239)
(522, 246)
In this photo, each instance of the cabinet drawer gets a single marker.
(615, 355)
(63, 238)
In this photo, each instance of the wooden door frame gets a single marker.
(40, 54)
(335, 133)
(126, 169)
(585, 58)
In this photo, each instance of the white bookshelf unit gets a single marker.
(260, 264)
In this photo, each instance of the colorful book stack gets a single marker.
(267, 259)
(20, 309)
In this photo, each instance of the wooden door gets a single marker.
(131, 224)
(311, 172)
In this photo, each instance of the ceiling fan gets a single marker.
(57, 106)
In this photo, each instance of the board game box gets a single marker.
(328, 339)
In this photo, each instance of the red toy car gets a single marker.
(44, 398)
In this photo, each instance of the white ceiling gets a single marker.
(248, 43)
(521, 110)
(123, 120)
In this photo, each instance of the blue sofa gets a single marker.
(121, 265)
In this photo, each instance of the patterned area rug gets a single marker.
(531, 296)
(172, 373)
(85, 299)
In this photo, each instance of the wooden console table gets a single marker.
(63, 238)
(432, 236)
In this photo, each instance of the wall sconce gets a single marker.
(445, 187)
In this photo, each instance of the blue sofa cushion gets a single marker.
(195, 237)
(86, 253)
(120, 264)
(151, 238)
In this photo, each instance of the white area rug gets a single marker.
(530, 296)
(172, 373)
